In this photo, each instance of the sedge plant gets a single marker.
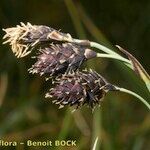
(60, 56)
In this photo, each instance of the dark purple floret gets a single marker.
(80, 88)
(60, 58)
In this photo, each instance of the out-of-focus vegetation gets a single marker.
(122, 122)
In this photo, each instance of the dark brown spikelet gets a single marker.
(80, 88)
(24, 37)
(59, 58)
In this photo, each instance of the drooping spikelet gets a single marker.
(80, 88)
(59, 58)
(23, 38)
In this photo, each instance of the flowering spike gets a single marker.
(89, 94)
(59, 58)
(23, 38)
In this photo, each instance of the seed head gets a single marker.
(23, 38)
(60, 58)
(80, 88)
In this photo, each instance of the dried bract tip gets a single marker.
(80, 88)
(58, 59)
(89, 53)
(23, 38)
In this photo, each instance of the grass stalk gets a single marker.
(114, 57)
(95, 144)
(135, 95)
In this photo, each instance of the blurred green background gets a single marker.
(122, 122)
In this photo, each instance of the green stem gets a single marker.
(103, 48)
(97, 129)
(112, 53)
(108, 51)
(135, 95)
(114, 57)
(95, 144)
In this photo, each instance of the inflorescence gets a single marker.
(57, 59)
(23, 38)
(60, 59)
(80, 88)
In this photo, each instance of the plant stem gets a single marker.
(114, 57)
(103, 48)
(108, 51)
(97, 129)
(95, 144)
(135, 95)
(112, 53)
